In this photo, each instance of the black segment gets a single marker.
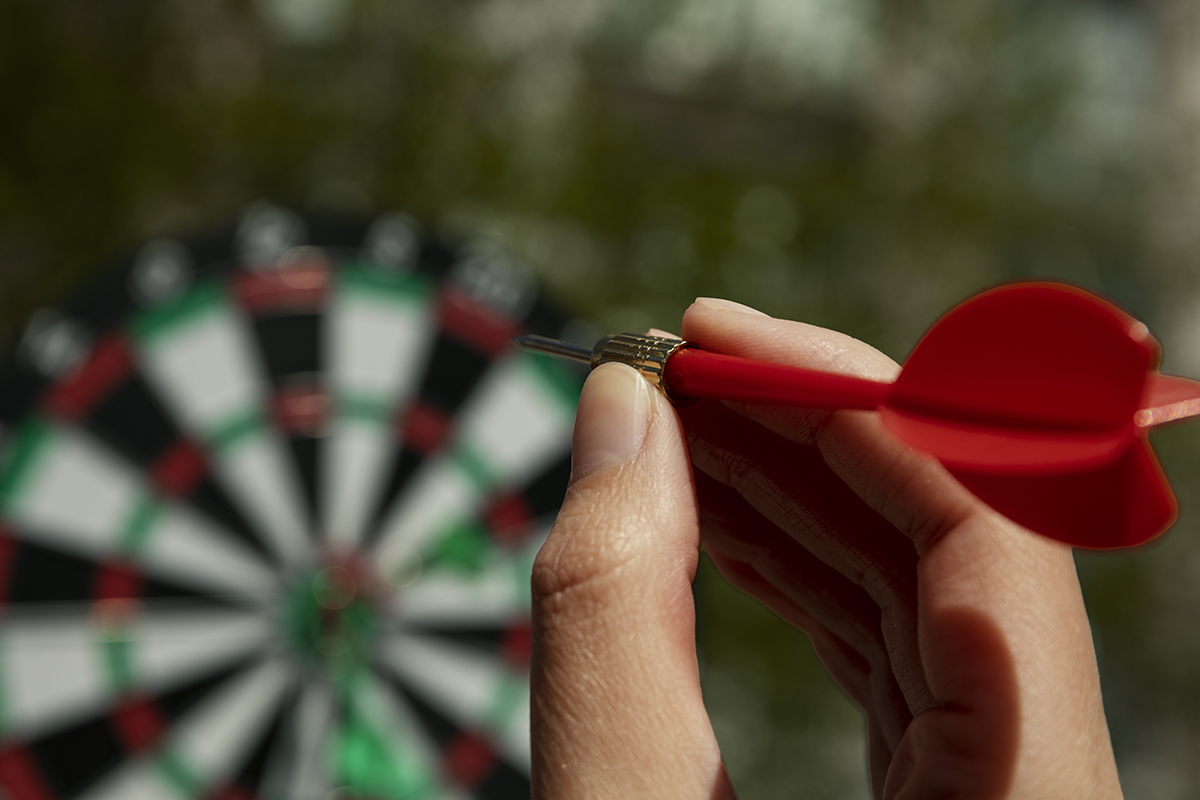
(42, 574)
(74, 758)
(545, 493)
(131, 421)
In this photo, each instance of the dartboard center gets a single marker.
(332, 616)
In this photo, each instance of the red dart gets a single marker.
(1038, 397)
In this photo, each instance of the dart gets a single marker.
(1038, 397)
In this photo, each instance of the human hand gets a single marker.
(962, 636)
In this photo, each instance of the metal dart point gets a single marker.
(647, 354)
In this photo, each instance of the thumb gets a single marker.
(616, 705)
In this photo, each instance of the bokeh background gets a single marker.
(859, 164)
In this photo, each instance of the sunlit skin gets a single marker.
(962, 636)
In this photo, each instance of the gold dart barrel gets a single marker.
(645, 353)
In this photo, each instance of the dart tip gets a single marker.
(554, 347)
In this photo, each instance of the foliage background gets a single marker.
(860, 164)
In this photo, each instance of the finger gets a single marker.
(912, 491)
(616, 703)
(791, 486)
(840, 618)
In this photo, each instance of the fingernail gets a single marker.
(614, 414)
(720, 304)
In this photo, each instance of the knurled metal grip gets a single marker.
(647, 354)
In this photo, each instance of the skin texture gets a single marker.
(962, 636)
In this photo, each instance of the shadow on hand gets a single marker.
(966, 747)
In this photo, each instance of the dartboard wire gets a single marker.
(62, 488)
(198, 355)
(202, 750)
(378, 341)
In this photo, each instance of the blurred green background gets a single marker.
(859, 164)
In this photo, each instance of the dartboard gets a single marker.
(269, 502)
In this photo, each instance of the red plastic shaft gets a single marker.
(697, 373)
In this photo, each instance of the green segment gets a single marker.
(363, 408)
(137, 527)
(464, 546)
(176, 772)
(382, 285)
(476, 467)
(28, 443)
(154, 323)
(118, 660)
(234, 429)
(507, 700)
(369, 762)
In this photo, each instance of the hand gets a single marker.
(961, 635)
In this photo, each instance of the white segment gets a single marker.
(354, 471)
(206, 373)
(516, 422)
(136, 780)
(212, 738)
(378, 346)
(377, 350)
(204, 369)
(298, 769)
(170, 648)
(258, 475)
(462, 683)
(77, 496)
(53, 671)
(440, 494)
(185, 547)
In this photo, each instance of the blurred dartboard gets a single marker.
(268, 507)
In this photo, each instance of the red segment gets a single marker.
(8, 552)
(301, 410)
(231, 793)
(508, 517)
(468, 759)
(292, 286)
(474, 323)
(518, 641)
(117, 581)
(105, 367)
(179, 469)
(20, 776)
(139, 724)
(424, 427)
